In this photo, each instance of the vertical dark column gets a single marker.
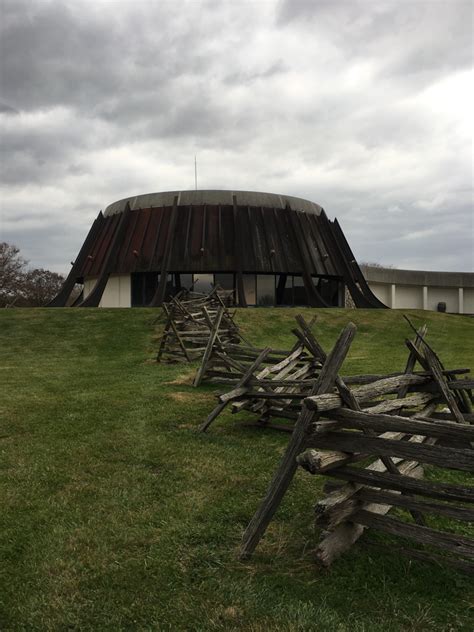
(238, 247)
(93, 299)
(142, 278)
(353, 266)
(340, 262)
(159, 296)
(64, 293)
(280, 290)
(153, 254)
(359, 298)
(313, 296)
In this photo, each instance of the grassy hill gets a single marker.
(117, 515)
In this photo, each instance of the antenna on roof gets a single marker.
(195, 174)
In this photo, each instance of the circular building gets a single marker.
(270, 249)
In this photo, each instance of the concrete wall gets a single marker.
(420, 289)
(409, 296)
(448, 295)
(381, 291)
(468, 300)
(117, 293)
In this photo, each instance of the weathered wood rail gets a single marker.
(372, 436)
(192, 321)
(270, 385)
(344, 423)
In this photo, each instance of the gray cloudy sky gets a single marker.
(364, 107)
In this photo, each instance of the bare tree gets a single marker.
(373, 264)
(22, 287)
(41, 286)
(12, 270)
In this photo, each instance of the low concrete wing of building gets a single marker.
(452, 292)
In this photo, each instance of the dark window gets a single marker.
(299, 291)
(225, 281)
(144, 286)
(261, 289)
(151, 283)
(330, 290)
(186, 280)
(284, 289)
(137, 289)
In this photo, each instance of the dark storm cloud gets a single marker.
(97, 59)
(145, 69)
(38, 146)
(362, 107)
(52, 58)
(7, 109)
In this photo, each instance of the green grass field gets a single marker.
(117, 515)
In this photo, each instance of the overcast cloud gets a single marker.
(364, 107)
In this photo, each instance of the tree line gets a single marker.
(21, 286)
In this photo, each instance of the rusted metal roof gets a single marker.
(274, 240)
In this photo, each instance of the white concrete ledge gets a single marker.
(418, 277)
(422, 289)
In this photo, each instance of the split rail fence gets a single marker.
(371, 435)
(341, 427)
(192, 319)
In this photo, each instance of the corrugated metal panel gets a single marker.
(98, 252)
(160, 214)
(125, 248)
(146, 253)
(197, 220)
(248, 256)
(104, 247)
(162, 236)
(280, 261)
(267, 244)
(262, 256)
(288, 242)
(227, 261)
(179, 252)
(211, 256)
(324, 265)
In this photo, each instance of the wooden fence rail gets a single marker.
(395, 419)
(192, 320)
(372, 436)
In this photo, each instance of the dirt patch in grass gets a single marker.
(186, 378)
(185, 397)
